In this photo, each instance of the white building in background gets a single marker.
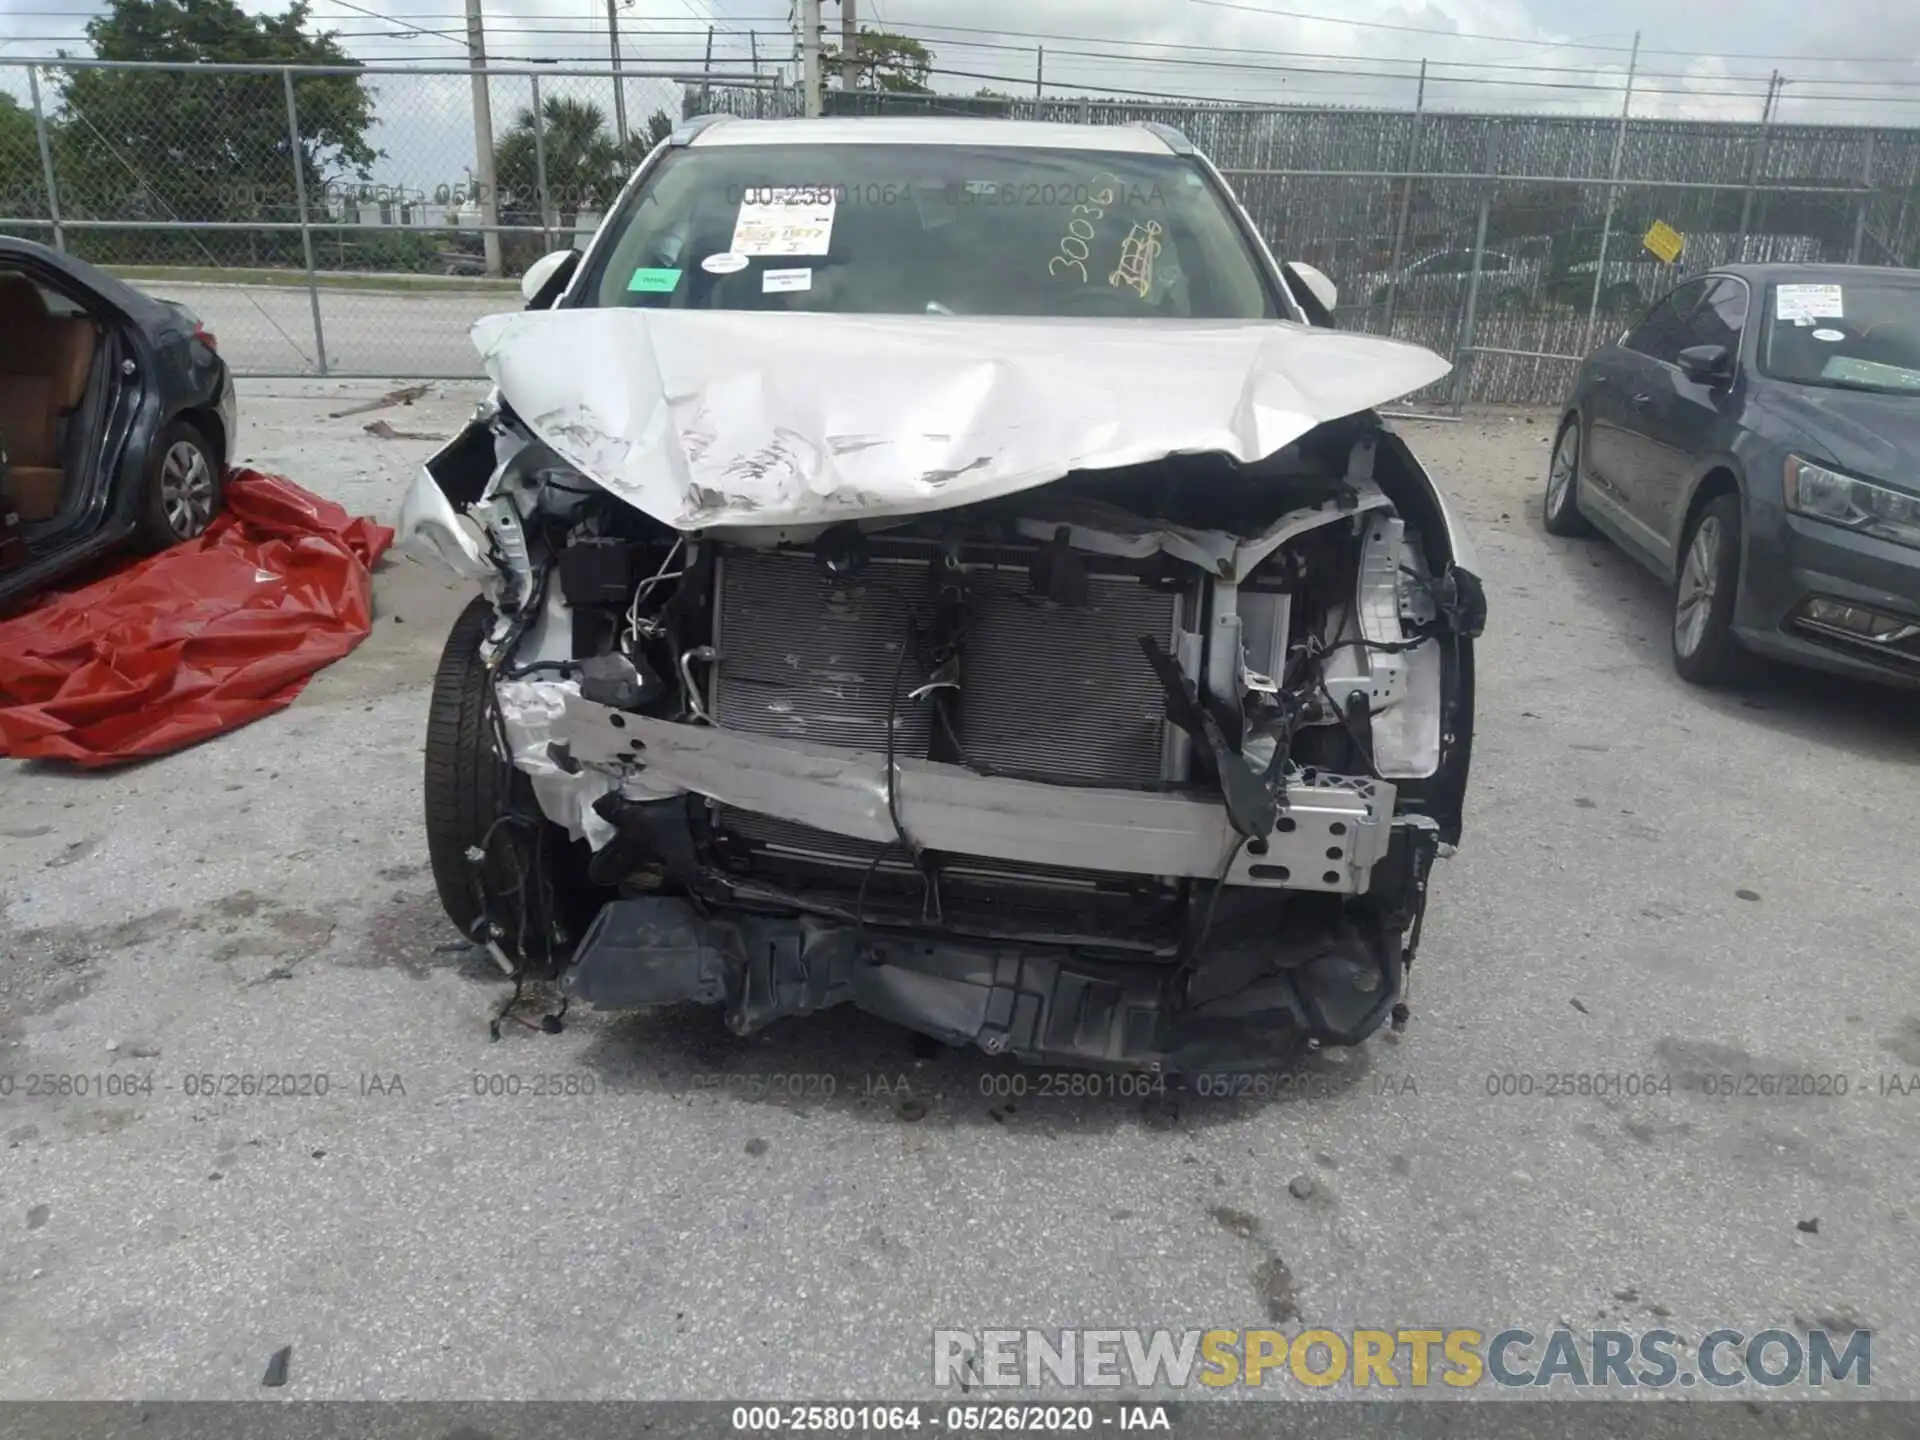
(403, 205)
(447, 208)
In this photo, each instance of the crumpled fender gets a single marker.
(429, 526)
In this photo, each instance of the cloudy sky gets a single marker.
(1707, 59)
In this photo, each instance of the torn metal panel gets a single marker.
(718, 418)
(1102, 529)
(528, 710)
(948, 808)
(429, 526)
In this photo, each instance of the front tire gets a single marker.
(184, 487)
(1705, 649)
(527, 882)
(1561, 512)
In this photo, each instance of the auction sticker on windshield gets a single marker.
(784, 220)
(1804, 304)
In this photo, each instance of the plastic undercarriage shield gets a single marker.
(1244, 1006)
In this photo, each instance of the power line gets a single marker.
(516, 25)
(1537, 40)
(1387, 25)
(782, 21)
(1395, 60)
(1301, 102)
(459, 39)
(1714, 89)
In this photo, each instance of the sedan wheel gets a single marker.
(1693, 602)
(526, 879)
(1562, 515)
(183, 487)
(1705, 649)
(186, 489)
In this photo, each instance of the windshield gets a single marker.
(928, 229)
(1850, 335)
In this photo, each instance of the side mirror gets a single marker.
(1325, 294)
(1706, 364)
(547, 277)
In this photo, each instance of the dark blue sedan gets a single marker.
(1755, 441)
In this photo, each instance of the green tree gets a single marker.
(885, 61)
(175, 144)
(22, 187)
(639, 143)
(583, 165)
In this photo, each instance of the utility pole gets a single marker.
(1746, 201)
(619, 85)
(706, 75)
(849, 46)
(1613, 196)
(1406, 196)
(483, 138)
(810, 55)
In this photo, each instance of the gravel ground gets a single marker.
(1655, 882)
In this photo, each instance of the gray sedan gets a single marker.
(1755, 440)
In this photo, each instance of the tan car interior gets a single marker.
(44, 363)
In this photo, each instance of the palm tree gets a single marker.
(583, 166)
(659, 125)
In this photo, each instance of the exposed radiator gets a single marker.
(802, 661)
(1052, 692)
(1045, 691)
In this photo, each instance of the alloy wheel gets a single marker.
(186, 489)
(1560, 473)
(1694, 603)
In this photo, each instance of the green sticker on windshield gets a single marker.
(653, 282)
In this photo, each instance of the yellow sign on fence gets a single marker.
(1664, 241)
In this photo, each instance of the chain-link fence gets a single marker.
(327, 220)
(346, 221)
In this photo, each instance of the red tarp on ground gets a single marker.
(195, 640)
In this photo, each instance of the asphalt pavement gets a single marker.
(269, 329)
(1656, 883)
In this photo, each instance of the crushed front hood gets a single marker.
(714, 418)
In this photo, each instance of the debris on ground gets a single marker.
(276, 1375)
(384, 431)
(405, 395)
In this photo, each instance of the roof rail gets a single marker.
(686, 130)
(1176, 142)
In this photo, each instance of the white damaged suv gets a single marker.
(949, 567)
